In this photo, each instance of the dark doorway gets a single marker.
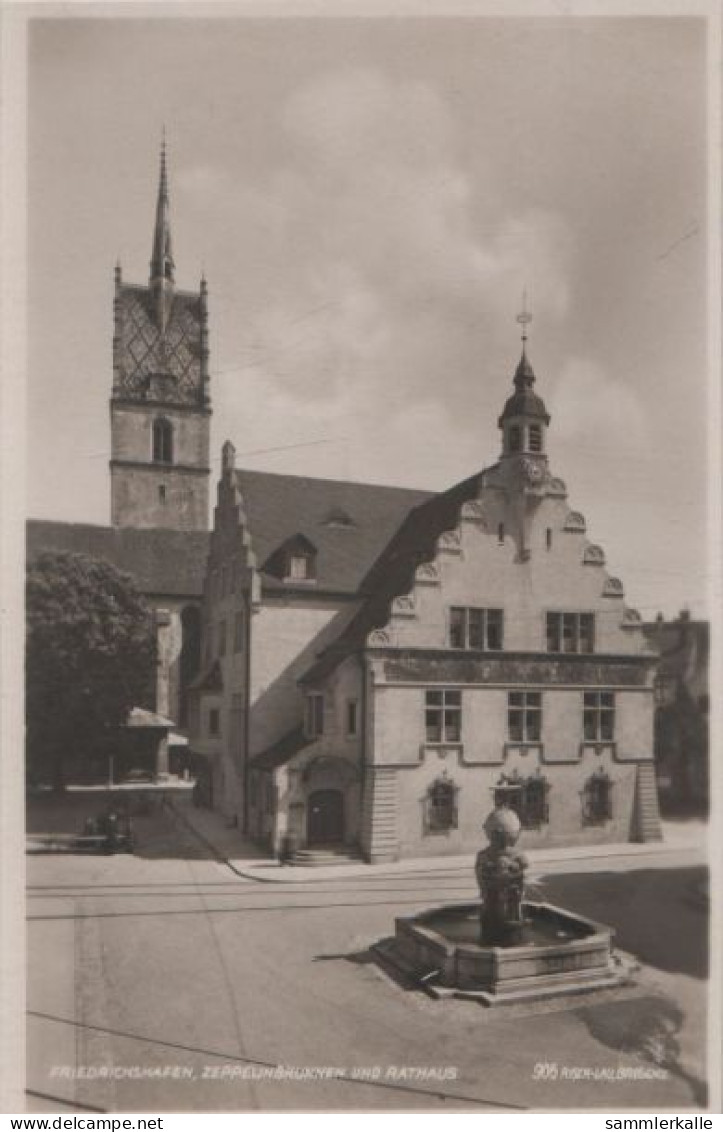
(326, 818)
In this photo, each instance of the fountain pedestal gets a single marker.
(504, 949)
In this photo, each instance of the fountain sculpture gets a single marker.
(505, 948)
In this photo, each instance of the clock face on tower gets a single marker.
(532, 471)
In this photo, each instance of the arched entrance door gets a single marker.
(325, 824)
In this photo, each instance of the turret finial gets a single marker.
(524, 318)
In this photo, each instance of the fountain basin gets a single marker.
(560, 953)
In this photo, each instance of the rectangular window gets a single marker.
(597, 801)
(298, 567)
(535, 438)
(527, 797)
(473, 628)
(213, 721)
(598, 717)
(456, 628)
(443, 716)
(238, 632)
(232, 577)
(571, 632)
(314, 715)
(524, 717)
(352, 712)
(222, 638)
(441, 805)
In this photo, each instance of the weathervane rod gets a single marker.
(524, 317)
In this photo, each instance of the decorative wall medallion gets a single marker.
(574, 522)
(404, 606)
(450, 541)
(631, 619)
(613, 588)
(379, 638)
(472, 511)
(427, 573)
(593, 556)
(557, 488)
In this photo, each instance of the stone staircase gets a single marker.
(323, 857)
(380, 835)
(647, 812)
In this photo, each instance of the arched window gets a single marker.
(162, 441)
(535, 435)
(515, 438)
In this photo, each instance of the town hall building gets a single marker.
(361, 668)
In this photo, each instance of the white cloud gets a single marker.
(378, 279)
(589, 405)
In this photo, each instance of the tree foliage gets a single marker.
(90, 658)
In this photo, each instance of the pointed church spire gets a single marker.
(162, 277)
(162, 265)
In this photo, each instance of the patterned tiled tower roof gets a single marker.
(160, 343)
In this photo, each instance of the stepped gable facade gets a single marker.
(380, 666)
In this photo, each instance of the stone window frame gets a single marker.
(162, 441)
(442, 716)
(490, 621)
(441, 811)
(528, 797)
(570, 627)
(596, 798)
(351, 718)
(524, 716)
(598, 717)
(314, 715)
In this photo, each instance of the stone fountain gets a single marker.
(505, 948)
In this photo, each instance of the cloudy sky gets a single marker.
(368, 198)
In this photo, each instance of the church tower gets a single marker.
(160, 407)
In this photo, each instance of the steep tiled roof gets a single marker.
(161, 562)
(142, 350)
(393, 571)
(348, 524)
(282, 750)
